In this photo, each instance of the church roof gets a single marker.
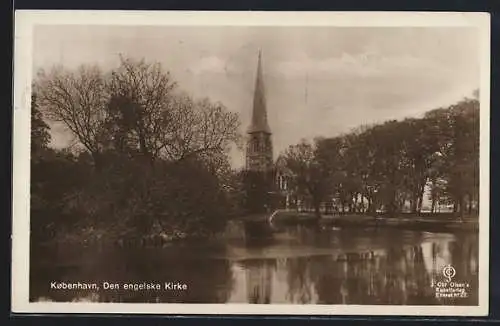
(259, 114)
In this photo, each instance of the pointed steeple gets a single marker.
(259, 113)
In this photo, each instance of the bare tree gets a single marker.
(136, 110)
(202, 128)
(77, 99)
(141, 94)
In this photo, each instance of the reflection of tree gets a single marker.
(418, 279)
(395, 291)
(464, 255)
(395, 275)
(327, 276)
(298, 279)
(259, 280)
(257, 234)
(208, 280)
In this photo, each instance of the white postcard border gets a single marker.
(25, 20)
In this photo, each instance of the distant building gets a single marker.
(259, 154)
(259, 148)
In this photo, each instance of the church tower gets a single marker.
(259, 153)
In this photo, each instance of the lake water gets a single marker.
(267, 264)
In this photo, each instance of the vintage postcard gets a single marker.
(283, 163)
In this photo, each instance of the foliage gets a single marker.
(40, 136)
(257, 189)
(154, 160)
(389, 166)
(308, 176)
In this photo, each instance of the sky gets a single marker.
(320, 81)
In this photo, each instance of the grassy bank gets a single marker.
(111, 237)
(414, 222)
(424, 222)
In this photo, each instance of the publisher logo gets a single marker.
(448, 287)
(449, 272)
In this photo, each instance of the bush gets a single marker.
(127, 199)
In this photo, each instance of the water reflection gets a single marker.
(293, 264)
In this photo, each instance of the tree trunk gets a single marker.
(401, 204)
(470, 205)
(415, 197)
(317, 211)
(98, 160)
(413, 204)
(419, 205)
(421, 195)
(461, 208)
(371, 206)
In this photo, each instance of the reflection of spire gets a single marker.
(259, 114)
(259, 282)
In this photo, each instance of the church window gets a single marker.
(255, 144)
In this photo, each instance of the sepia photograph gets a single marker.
(265, 163)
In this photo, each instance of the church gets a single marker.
(259, 151)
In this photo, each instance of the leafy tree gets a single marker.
(420, 145)
(40, 136)
(309, 177)
(257, 191)
(458, 154)
(392, 164)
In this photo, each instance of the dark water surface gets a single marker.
(287, 264)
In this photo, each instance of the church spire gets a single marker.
(259, 113)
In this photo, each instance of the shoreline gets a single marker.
(359, 221)
(415, 223)
(405, 221)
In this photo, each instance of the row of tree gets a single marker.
(390, 166)
(147, 159)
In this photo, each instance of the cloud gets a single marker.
(362, 65)
(373, 82)
(211, 64)
(319, 81)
